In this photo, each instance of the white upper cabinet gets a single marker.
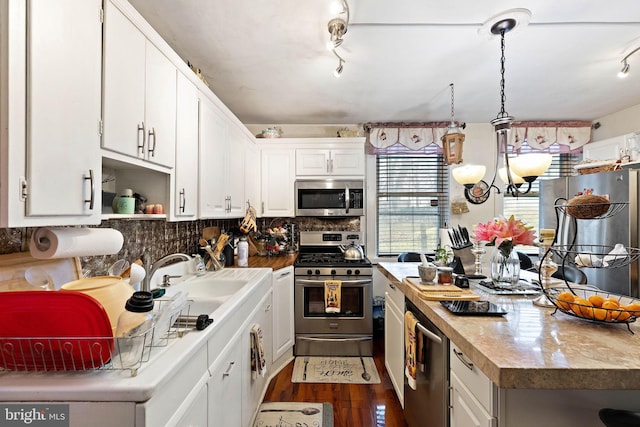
(213, 135)
(330, 162)
(253, 176)
(51, 79)
(139, 93)
(185, 189)
(278, 177)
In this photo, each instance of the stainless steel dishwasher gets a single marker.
(428, 405)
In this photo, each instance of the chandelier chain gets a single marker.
(503, 97)
(452, 116)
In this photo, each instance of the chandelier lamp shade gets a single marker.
(517, 170)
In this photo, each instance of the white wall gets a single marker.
(616, 124)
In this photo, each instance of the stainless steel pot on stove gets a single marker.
(352, 252)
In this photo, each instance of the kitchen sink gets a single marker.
(200, 306)
(209, 288)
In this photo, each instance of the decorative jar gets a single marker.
(505, 267)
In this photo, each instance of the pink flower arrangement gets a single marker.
(505, 234)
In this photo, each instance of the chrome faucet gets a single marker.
(152, 268)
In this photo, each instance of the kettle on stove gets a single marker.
(352, 252)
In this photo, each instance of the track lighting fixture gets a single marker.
(624, 72)
(337, 28)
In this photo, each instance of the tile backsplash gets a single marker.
(163, 237)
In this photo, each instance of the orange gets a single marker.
(610, 304)
(600, 314)
(617, 315)
(580, 304)
(586, 309)
(596, 300)
(634, 308)
(564, 299)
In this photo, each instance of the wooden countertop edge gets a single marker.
(273, 262)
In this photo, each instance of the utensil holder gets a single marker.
(467, 258)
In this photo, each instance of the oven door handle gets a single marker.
(428, 334)
(334, 339)
(302, 282)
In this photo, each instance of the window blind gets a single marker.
(412, 202)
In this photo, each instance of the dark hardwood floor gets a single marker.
(354, 405)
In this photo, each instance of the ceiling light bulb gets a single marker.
(624, 72)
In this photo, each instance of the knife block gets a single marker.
(467, 259)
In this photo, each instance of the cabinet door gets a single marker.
(213, 134)
(195, 415)
(255, 384)
(347, 162)
(124, 85)
(466, 411)
(186, 172)
(283, 320)
(310, 161)
(160, 107)
(225, 387)
(394, 346)
(252, 179)
(234, 149)
(278, 176)
(64, 64)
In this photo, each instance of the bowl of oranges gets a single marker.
(596, 305)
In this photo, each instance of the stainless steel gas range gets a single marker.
(350, 331)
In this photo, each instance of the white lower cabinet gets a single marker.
(255, 384)
(225, 386)
(283, 320)
(473, 396)
(394, 345)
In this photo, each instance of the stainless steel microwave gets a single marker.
(329, 197)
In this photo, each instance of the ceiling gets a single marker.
(267, 60)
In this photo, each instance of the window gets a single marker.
(525, 206)
(412, 202)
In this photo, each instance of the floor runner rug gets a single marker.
(312, 369)
(286, 414)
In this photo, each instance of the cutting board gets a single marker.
(441, 292)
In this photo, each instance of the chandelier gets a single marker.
(517, 170)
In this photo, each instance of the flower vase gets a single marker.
(505, 270)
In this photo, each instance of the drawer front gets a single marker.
(391, 289)
(478, 384)
(466, 411)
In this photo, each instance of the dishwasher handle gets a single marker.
(428, 334)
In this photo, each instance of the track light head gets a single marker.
(624, 72)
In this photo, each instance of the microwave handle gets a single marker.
(347, 197)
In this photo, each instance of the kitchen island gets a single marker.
(548, 369)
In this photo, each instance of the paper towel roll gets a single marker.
(60, 242)
(444, 238)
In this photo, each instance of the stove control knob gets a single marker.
(349, 272)
(357, 272)
(333, 272)
(317, 272)
(309, 272)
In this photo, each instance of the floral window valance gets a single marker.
(398, 138)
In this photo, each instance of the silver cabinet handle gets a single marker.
(93, 189)
(183, 200)
(392, 286)
(284, 274)
(331, 162)
(464, 361)
(152, 148)
(267, 308)
(141, 143)
(228, 371)
(262, 208)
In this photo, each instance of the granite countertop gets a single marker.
(531, 349)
